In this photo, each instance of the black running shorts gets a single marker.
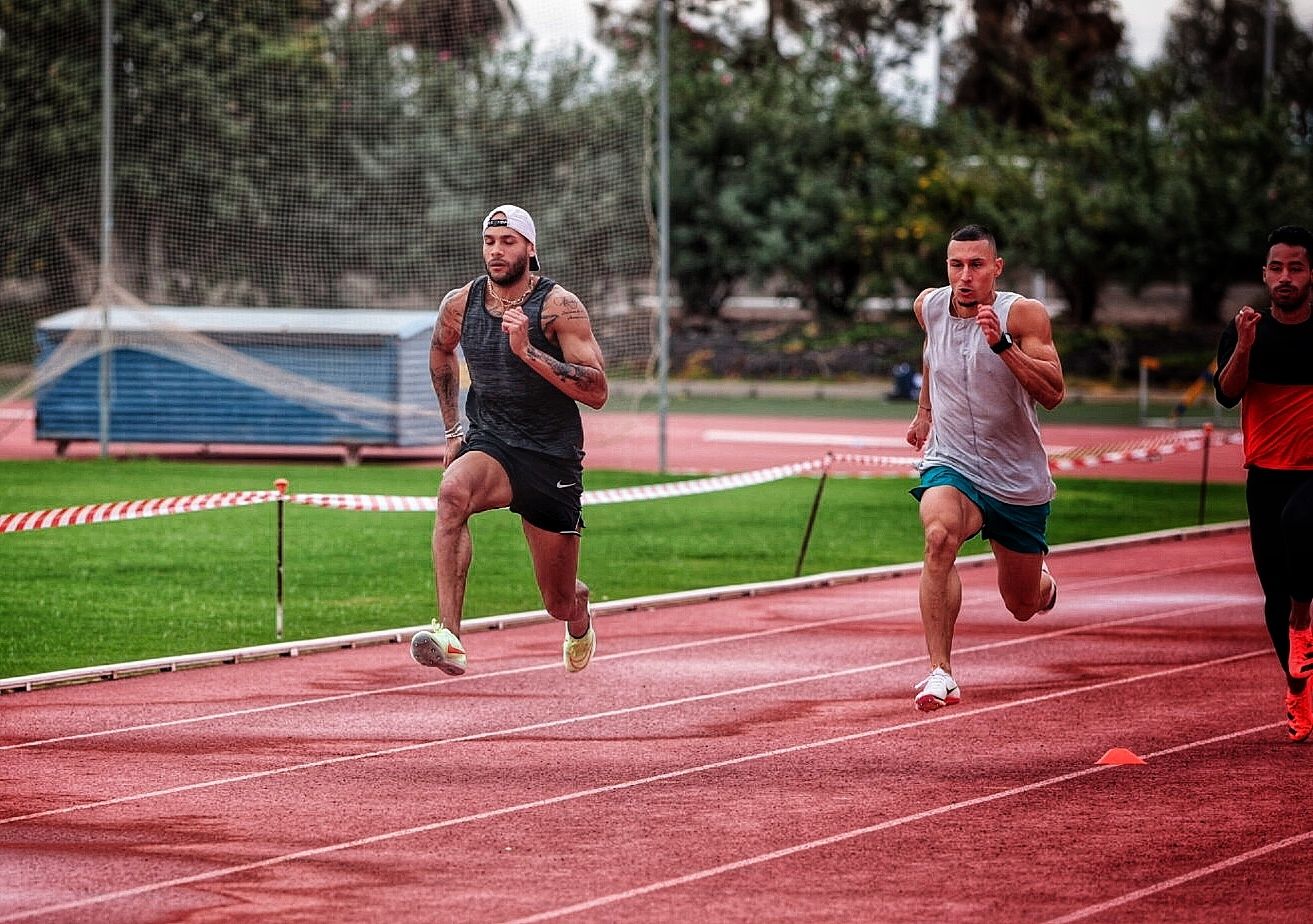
(546, 491)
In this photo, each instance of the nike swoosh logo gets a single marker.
(565, 484)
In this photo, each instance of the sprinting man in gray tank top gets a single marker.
(989, 359)
(531, 355)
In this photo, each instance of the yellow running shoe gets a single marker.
(577, 652)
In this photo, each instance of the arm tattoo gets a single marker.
(586, 376)
(564, 307)
(446, 384)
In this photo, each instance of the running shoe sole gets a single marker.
(928, 702)
(426, 650)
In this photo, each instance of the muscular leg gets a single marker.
(473, 483)
(949, 519)
(1297, 545)
(1266, 495)
(1025, 588)
(556, 566)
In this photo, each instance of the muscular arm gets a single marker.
(1233, 377)
(1034, 359)
(444, 367)
(582, 373)
(918, 431)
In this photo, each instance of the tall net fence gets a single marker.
(293, 190)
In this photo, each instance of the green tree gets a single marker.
(784, 174)
(50, 145)
(1017, 45)
(1238, 158)
(1097, 196)
(1216, 49)
(448, 29)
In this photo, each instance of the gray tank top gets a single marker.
(984, 424)
(506, 399)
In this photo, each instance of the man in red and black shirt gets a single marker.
(1265, 357)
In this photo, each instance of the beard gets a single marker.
(1289, 299)
(511, 275)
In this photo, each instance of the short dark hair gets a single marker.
(975, 233)
(1294, 235)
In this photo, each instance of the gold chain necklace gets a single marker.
(504, 303)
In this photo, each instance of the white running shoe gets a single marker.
(577, 652)
(438, 647)
(937, 690)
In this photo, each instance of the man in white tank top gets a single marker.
(989, 359)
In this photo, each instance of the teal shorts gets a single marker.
(1019, 527)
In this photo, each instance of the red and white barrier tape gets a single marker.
(1145, 451)
(129, 510)
(373, 502)
(700, 485)
(165, 506)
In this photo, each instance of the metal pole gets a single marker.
(663, 231)
(281, 485)
(1203, 478)
(1144, 391)
(811, 519)
(106, 209)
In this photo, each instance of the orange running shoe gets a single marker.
(1299, 713)
(1300, 663)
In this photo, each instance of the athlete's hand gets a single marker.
(989, 324)
(515, 324)
(1246, 328)
(919, 430)
(452, 449)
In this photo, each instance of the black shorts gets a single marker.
(546, 491)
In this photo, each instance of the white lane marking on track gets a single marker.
(869, 829)
(587, 717)
(1219, 866)
(1100, 582)
(222, 872)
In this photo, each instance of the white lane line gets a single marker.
(953, 715)
(1193, 610)
(1219, 866)
(861, 832)
(975, 598)
(465, 678)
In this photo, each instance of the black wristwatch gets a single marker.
(1004, 342)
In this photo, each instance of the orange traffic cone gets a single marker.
(1119, 756)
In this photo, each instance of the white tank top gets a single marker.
(984, 424)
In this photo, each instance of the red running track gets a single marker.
(745, 759)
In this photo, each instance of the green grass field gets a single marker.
(106, 593)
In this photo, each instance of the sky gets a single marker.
(565, 22)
